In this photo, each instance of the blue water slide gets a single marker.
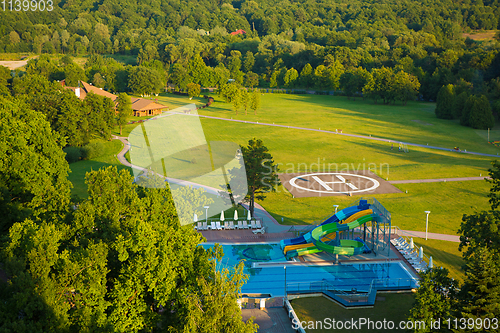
(335, 218)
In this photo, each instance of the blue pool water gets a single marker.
(346, 276)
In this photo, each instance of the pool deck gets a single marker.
(270, 320)
(274, 318)
(243, 236)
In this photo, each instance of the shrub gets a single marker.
(92, 150)
(73, 154)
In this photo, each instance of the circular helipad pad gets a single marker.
(335, 183)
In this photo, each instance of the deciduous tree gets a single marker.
(124, 109)
(193, 90)
(33, 171)
(255, 101)
(261, 171)
(436, 298)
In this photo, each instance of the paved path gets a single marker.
(121, 154)
(346, 134)
(437, 180)
(431, 235)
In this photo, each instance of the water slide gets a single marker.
(330, 236)
(335, 218)
(344, 247)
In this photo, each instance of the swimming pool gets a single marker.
(302, 276)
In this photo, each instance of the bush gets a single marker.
(92, 150)
(73, 154)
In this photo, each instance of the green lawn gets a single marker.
(388, 306)
(415, 122)
(302, 151)
(79, 169)
(443, 254)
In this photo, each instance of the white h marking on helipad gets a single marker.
(328, 188)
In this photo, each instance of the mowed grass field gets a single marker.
(416, 122)
(443, 254)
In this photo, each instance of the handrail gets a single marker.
(292, 315)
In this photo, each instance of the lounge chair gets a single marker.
(254, 226)
(205, 226)
(259, 231)
(217, 225)
(240, 224)
(231, 225)
(257, 223)
(199, 227)
(212, 225)
(245, 224)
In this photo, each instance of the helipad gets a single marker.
(319, 184)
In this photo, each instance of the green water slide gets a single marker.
(346, 247)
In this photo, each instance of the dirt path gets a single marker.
(13, 64)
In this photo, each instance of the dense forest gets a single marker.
(389, 51)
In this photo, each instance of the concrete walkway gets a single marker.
(437, 180)
(430, 235)
(351, 135)
(126, 147)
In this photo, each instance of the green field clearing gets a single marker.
(303, 151)
(415, 122)
(388, 306)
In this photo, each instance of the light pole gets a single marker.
(284, 267)
(427, 222)
(206, 212)
(336, 207)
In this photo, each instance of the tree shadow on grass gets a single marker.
(287, 221)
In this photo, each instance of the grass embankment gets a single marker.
(391, 307)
